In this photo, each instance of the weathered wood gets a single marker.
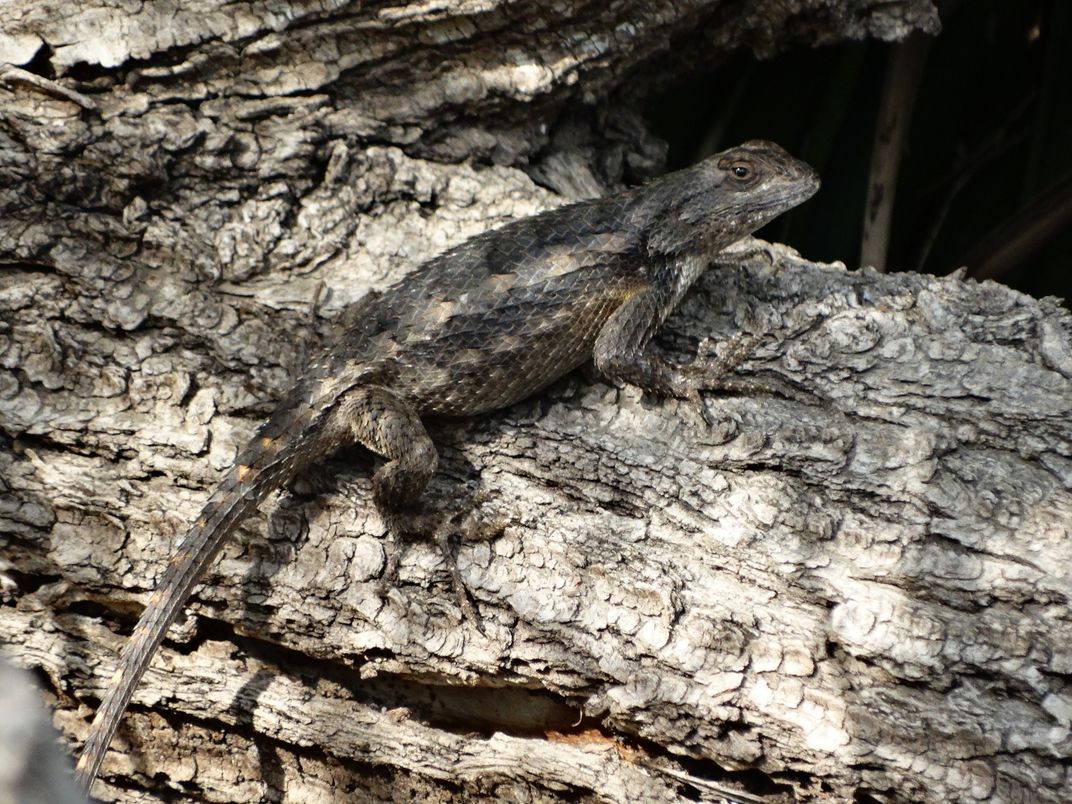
(863, 594)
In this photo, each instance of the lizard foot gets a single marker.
(446, 527)
(713, 373)
(471, 526)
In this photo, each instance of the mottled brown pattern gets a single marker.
(484, 325)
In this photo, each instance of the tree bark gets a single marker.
(861, 594)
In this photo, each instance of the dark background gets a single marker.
(988, 156)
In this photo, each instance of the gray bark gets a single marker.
(33, 770)
(862, 593)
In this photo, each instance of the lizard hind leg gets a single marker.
(391, 427)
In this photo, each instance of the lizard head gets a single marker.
(705, 208)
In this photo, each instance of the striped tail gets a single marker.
(287, 443)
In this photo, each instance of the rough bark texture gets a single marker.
(865, 594)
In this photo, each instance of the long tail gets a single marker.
(288, 442)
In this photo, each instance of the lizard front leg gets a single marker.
(619, 352)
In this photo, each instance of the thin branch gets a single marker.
(895, 113)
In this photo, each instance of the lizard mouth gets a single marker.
(805, 184)
(790, 194)
(796, 190)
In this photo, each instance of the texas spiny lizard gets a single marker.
(482, 326)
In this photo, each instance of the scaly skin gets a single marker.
(482, 326)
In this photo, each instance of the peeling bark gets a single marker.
(863, 594)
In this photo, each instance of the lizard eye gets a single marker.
(742, 172)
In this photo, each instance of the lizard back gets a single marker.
(497, 318)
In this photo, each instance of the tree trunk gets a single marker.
(864, 593)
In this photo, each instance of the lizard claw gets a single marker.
(695, 401)
(714, 373)
(474, 526)
(445, 528)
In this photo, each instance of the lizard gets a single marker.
(485, 324)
